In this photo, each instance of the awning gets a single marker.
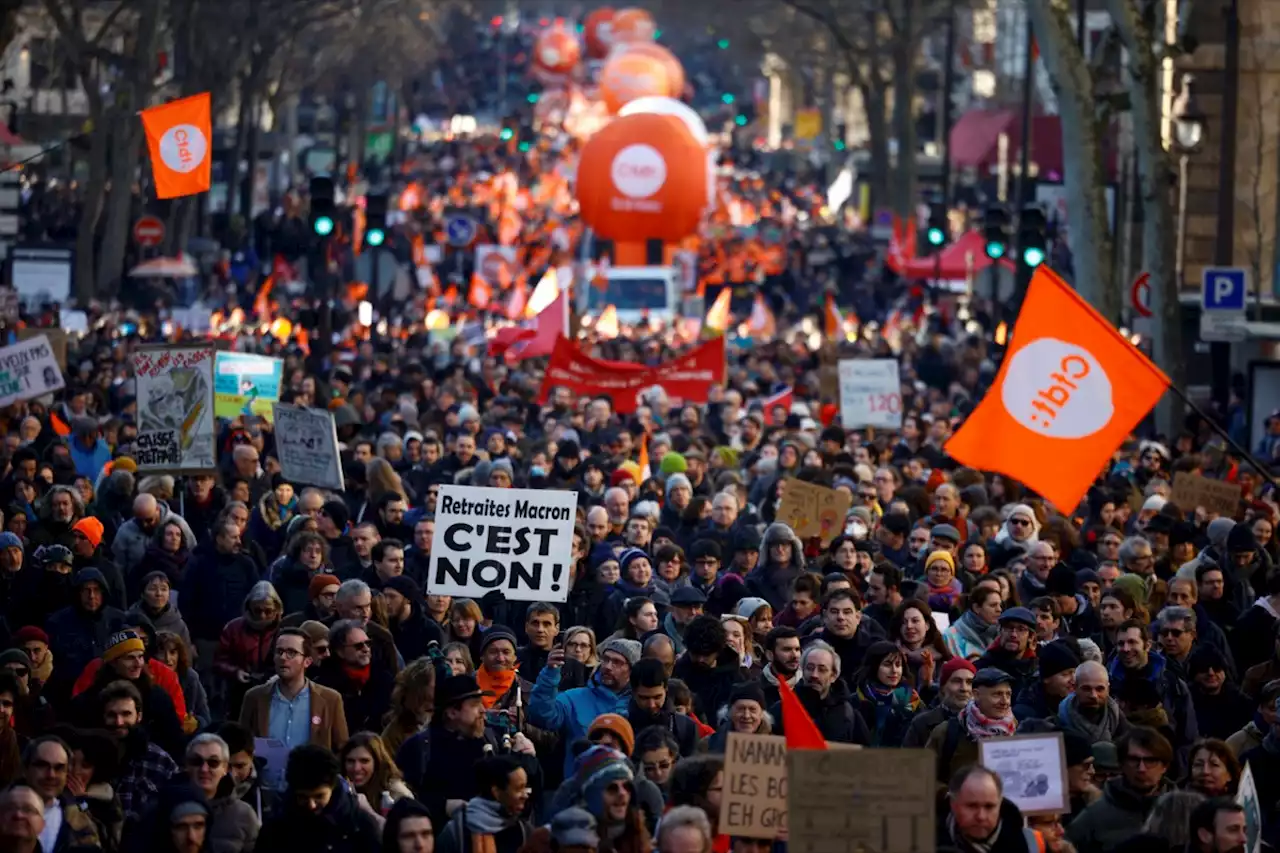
(975, 141)
(964, 257)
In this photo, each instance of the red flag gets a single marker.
(784, 399)
(800, 729)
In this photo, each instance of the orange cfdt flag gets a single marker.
(1069, 392)
(180, 139)
(799, 728)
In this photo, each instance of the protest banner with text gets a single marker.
(27, 370)
(307, 446)
(176, 429)
(515, 541)
(813, 510)
(688, 377)
(870, 393)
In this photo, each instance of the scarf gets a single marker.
(484, 819)
(981, 727)
(944, 597)
(1074, 720)
(976, 632)
(357, 675)
(42, 672)
(770, 677)
(968, 845)
(497, 683)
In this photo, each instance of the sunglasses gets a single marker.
(361, 645)
(212, 762)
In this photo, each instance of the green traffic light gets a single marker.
(727, 97)
(740, 120)
(523, 146)
(839, 145)
(532, 97)
(936, 237)
(506, 134)
(657, 34)
(995, 250)
(1033, 256)
(375, 236)
(324, 225)
(723, 44)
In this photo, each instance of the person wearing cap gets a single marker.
(322, 593)
(602, 782)
(989, 714)
(125, 659)
(637, 580)
(1222, 708)
(1055, 680)
(331, 523)
(412, 631)
(687, 603)
(1014, 650)
(745, 553)
(492, 820)
(87, 550)
(1253, 732)
(34, 642)
(1135, 660)
(955, 689)
(570, 713)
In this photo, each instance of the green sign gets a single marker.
(379, 145)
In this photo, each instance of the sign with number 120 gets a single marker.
(870, 393)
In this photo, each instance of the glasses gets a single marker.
(288, 654)
(213, 762)
(658, 766)
(1019, 522)
(364, 644)
(1143, 760)
(1172, 632)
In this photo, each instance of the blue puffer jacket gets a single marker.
(570, 714)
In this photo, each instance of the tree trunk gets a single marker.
(125, 142)
(1085, 171)
(94, 190)
(904, 114)
(236, 154)
(876, 104)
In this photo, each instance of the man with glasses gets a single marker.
(1107, 545)
(292, 709)
(1127, 800)
(1041, 558)
(233, 825)
(67, 823)
(322, 596)
(365, 685)
(1014, 651)
(1137, 558)
(1135, 660)
(355, 602)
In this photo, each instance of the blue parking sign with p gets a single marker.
(1224, 289)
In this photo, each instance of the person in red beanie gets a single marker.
(322, 592)
(955, 689)
(35, 642)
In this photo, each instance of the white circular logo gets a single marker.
(1057, 389)
(183, 147)
(550, 56)
(638, 171)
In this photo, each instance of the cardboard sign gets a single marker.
(515, 541)
(28, 369)
(307, 446)
(866, 799)
(870, 393)
(812, 510)
(57, 340)
(754, 801)
(1218, 496)
(1033, 769)
(246, 384)
(176, 430)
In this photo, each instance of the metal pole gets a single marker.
(948, 87)
(1023, 274)
(1080, 21)
(1224, 244)
(1179, 260)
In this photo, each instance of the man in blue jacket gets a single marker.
(570, 714)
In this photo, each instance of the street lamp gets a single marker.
(1188, 135)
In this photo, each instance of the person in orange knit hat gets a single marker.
(87, 535)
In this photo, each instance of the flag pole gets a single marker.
(1240, 451)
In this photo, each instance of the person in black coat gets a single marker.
(1222, 708)
(321, 811)
(1079, 618)
(1054, 681)
(218, 580)
(365, 686)
(79, 633)
(846, 631)
(1014, 650)
(826, 698)
(651, 706)
(965, 822)
(709, 667)
(413, 631)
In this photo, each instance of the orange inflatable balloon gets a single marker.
(598, 30)
(557, 51)
(642, 177)
(675, 71)
(628, 75)
(633, 25)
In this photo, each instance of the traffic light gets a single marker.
(323, 208)
(723, 44)
(995, 230)
(375, 219)
(532, 97)
(727, 97)
(839, 136)
(740, 120)
(1032, 242)
(506, 134)
(937, 230)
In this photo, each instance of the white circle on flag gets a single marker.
(183, 148)
(1057, 389)
(638, 171)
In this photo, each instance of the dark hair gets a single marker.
(542, 607)
(379, 551)
(809, 583)
(1220, 750)
(309, 537)
(117, 690)
(1148, 739)
(295, 632)
(980, 595)
(1047, 604)
(877, 653)
(704, 635)
(1205, 815)
(630, 609)
(238, 738)
(648, 672)
(692, 776)
(780, 632)
(932, 636)
(29, 752)
(1130, 624)
(656, 737)
(678, 692)
(495, 772)
(891, 574)
(1204, 568)
(166, 640)
(311, 766)
(380, 502)
(838, 594)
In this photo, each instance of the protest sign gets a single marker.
(27, 370)
(307, 446)
(870, 393)
(688, 377)
(1033, 769)
(246, 384)
(496, 264)
(57, 342)
(515, 541)
(1247, 797)
(1191, 491)
(813, 510)
(754, 801)
(176, 431)
(866, 799)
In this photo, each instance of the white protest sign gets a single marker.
(1247, 797)
(28, 369)
(1033, 769)
(515, 541)
(176, 430)
(307, 446)
(870, 393)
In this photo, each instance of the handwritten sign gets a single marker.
(812, 510)
(28, 369)
(755, 788)
(57, 341)
(307, 446)
(1033, 769)
(870, 393)
(176, 430)
(861, 800)
(1190, 491)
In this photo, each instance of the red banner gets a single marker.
(688, 377)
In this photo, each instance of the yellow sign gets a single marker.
(808, 124)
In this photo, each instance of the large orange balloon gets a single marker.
(633, 25)
(675, 71)
(628, 75)
(642, 177)
(557, 50)
(598, 29)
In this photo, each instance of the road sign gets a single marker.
(1224, 289)
(1140, 295)
(460, 230)
(148, 232)
(1223, 294)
